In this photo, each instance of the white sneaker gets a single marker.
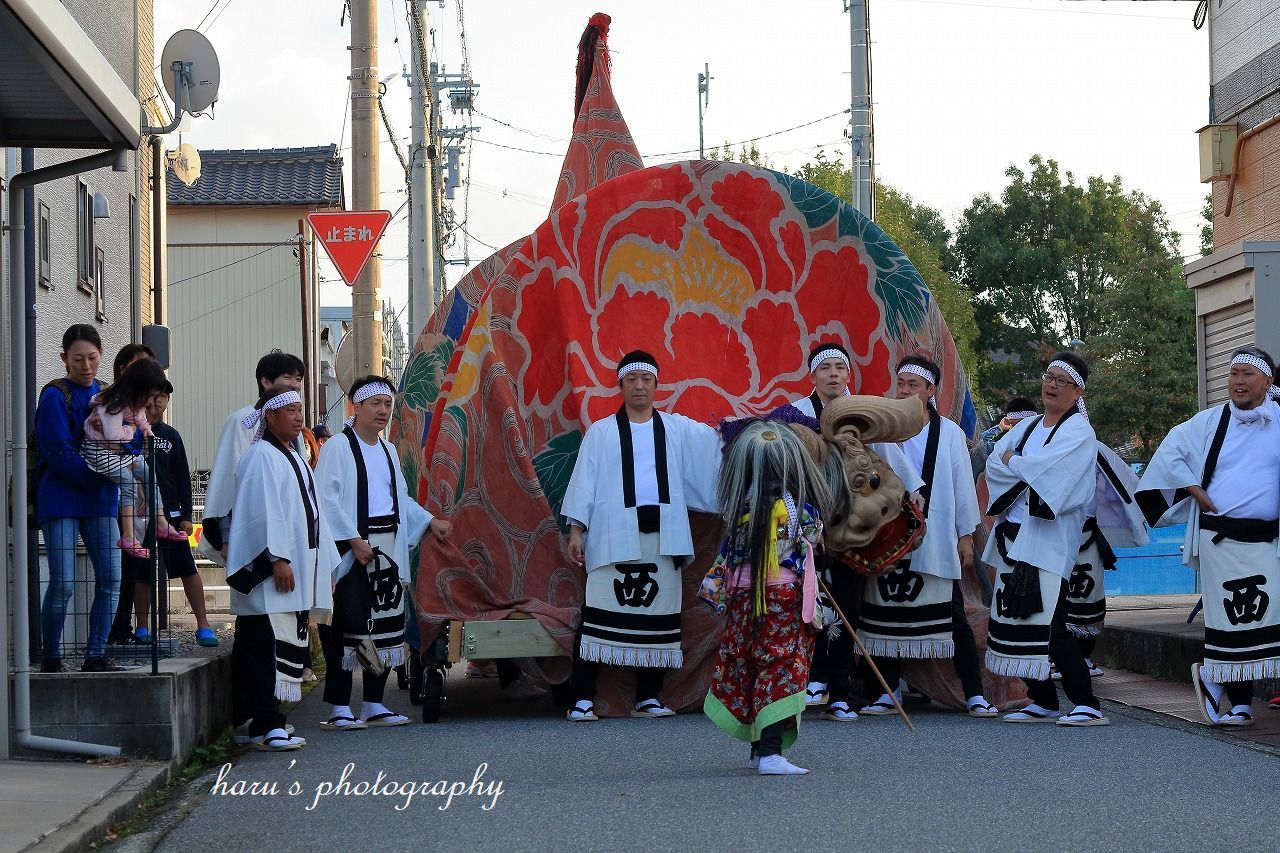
(776, 765)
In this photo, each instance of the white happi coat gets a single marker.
(1179, 462)
(1063, 474)
(953, 500)
(336, 484)
(270, 516)
(888, 451)
(1119, 517)
(595, 497)
(232, 444)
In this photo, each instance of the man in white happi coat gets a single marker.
(280, 562)
(1112, 520)
(1220, 474)
(829, 681)
(627, 505)
(374, 522)
(274, 368)
(917, 610)
(1041, 480)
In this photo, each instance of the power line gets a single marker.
(524, 130)
(206, 16)
(270, 248)
(1056, 9)
(258, 292)
(217, 16)
(844, 111)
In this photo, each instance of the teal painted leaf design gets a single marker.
(457, 416)
(425, 374)
(554, 467)
(816, 204)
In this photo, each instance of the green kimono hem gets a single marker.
(774, 712)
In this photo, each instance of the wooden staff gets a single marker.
(871, 663)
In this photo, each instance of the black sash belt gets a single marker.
(1240, 529)
(1006, 532)
(1094, 536)
(649, 518)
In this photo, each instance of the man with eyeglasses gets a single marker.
(1041, 480)
(1218, 473)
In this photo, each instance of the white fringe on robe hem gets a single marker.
(1223, 673)
(392, 657)
(288, 691)
(1036, 669)
(1085, 630)
(882, 647)
(618, 656)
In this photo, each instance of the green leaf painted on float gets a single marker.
(554, 467)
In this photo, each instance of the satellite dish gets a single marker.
(201, 73)
(344, 362)
(185, 163)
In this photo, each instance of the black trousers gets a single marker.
(253, 676)
(338, 681)
(833, 658)
(1065, 653)
(585, 673)
(965, 661)
(1239, 693)
(770, 742)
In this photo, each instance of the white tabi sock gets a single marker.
(341, 711)
(373, 709)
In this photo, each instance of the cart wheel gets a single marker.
(402, 676)
(432, 694)
(415, 680)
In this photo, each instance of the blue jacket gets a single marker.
(65, 487)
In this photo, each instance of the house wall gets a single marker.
(1244, 68)
(122, 30)
(236, 284)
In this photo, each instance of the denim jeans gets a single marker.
(99, 535)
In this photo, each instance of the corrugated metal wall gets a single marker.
(1224, 332)
(228, 305)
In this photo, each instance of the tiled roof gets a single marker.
(266, 176)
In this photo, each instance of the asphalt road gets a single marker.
(679, 784)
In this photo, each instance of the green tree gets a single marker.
(747, 153)
(923, 236)
(1206, 230)
(1052, 261)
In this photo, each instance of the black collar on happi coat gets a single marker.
(930, 456)
(362, 482)
(1035, 505)
(629, 458)
(306, 488)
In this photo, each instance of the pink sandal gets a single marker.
(134, 548)
(173, 534)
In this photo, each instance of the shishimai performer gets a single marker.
(1220, 474)
(829, 684)
(374, 522)
(627, 505)
(1041, 478)
(917, 609)
(766, 580)
(1113, 520)
(280, 561)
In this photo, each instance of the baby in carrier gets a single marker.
(113, 436)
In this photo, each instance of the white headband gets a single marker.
(638, 365)
(1017, 416)
(1077, 378)
(826, 354)
(922, 372)
(1251, 361)
(373, 389)
(257, 421)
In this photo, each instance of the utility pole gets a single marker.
(704, 97)
(422, 193)
(861, 131)
(366, 298)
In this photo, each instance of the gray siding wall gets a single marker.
(1244, 65)
(222, 322)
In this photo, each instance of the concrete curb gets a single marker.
(92, 823)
